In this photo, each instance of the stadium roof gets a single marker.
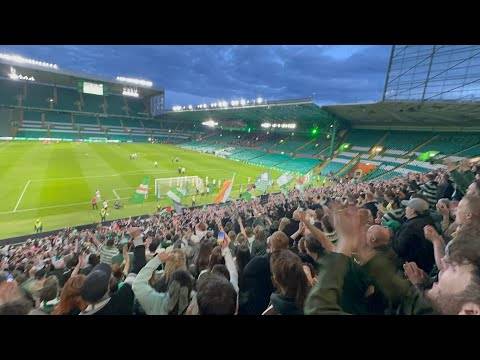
(303, 112)
(444, 115)
(70, 79)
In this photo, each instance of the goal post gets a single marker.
(189, 183)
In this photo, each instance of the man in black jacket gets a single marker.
(257, 277)
(409, 242)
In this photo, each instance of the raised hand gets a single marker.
(431, 234)
(348, 227)
(414, 274)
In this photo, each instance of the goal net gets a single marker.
(189, 184)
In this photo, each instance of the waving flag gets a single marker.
(141, 192)
(263, 182)
(284, 179)
(176, 194)
(225, 191)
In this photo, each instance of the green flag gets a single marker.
(176, 194)
(246, 196)
(141, 192)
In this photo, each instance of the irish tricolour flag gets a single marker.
(225, 191)
(141, 192)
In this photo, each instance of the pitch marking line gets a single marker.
(21, 196)
(52, 207)
(115, 193)
(122, 174)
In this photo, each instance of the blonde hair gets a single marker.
(177, 261)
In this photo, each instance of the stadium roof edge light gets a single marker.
(18, 59)
(133, 81)
(240, 104)
(57, 72)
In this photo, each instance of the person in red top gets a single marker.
(94, 203)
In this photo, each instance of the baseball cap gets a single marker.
(417, 204)
(97, 283)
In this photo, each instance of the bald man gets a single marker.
(378, 236)
(257, 277)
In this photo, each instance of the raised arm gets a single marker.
(317, 233)
(152, 302)
(438, 244)
(242, 229)
(126, 258)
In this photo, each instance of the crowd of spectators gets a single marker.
(408, 246)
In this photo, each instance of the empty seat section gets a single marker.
(29, 115)
(92, 103)
(58, 117)
(9, 90)
(38, 96)
(85, 120)
(110, 122)
(116, 105)
(67, 99)
(136, 107)
(364, 138)
(129, 123)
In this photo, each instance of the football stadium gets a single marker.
(206, 203)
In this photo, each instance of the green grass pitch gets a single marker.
(55, 182)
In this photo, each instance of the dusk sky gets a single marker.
(332, 74)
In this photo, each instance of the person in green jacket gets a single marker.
(456, 292)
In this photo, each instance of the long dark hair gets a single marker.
(289, 277)
(314, 246)
(216, 257)
(242, 259)
(203, 257)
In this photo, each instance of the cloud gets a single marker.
(332, 74)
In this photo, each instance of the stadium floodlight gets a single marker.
(266, 125)
(213, 105)
(210, 123)
(177, 108)
(14, 76)
(140, 82)
(242, 102)
(234, 102)
(259, 100)
(130, 92)
(190, 107)
(21, 60)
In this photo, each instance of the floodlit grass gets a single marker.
(55, 182)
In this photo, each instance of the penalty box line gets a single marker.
(21, 195)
